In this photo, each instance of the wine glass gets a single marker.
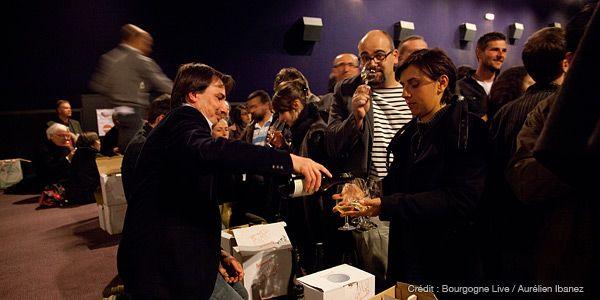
(373, 191)
(346, 226)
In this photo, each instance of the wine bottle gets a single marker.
(319, 257)
(295, 186)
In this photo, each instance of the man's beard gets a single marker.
(375, 79)
(257, 117)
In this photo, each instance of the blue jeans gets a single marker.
(227, 291)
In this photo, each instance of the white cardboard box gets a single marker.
(340, 282)
(112, 217)
(112, 190)
(265, 252)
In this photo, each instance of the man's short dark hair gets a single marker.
(576, 26)
(262, 95)
(192, 77)
(289, 74)
(489, 37)
(160, 106)
(543, 54)
(434, 63)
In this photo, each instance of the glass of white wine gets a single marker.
(344, 207)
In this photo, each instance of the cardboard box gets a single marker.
(115, 218)
(403, 291)
(112, 190)
(265, 252)
(112, 218)
(340, 282)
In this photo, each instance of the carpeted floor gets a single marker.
(56, 253)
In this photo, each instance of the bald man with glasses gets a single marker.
(368, 109)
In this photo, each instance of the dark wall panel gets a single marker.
(54, 46)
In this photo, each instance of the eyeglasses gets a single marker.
(378, 57)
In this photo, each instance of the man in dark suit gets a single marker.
(170, 244)
(63, 116)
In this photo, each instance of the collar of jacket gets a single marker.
(540, 87)
(188, 112)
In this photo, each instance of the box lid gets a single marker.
(335, 278)
(261, 237)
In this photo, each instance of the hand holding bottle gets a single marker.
(311, 172)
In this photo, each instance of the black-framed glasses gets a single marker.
(378, 57)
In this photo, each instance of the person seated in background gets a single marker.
(239, 118)
(109, 145)
(510, 85)
(52, 164)
(436, 179)
(63, 116)
(84, 178)
(159, 108)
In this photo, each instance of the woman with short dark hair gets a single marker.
(435, 179)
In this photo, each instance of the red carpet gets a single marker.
(56, 253)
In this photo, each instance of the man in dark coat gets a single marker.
(63, 116)
(170, 244)
(158, 109)
(476, 85)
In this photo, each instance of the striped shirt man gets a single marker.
(390, 113)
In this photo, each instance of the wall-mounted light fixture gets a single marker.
(311, 29)
(489, 16)
(515, 31)
(402, 30)
(467, 32)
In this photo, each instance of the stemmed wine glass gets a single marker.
(346, 226)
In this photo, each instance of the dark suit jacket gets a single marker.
(132, 152)
(73, 124)
(171, 236)
(474, 94)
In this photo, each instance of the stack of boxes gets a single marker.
(111, 203)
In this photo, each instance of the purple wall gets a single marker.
(57, 47)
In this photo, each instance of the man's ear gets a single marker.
(396, 55)
(478, 53)
(442, 84)
(193, 97)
